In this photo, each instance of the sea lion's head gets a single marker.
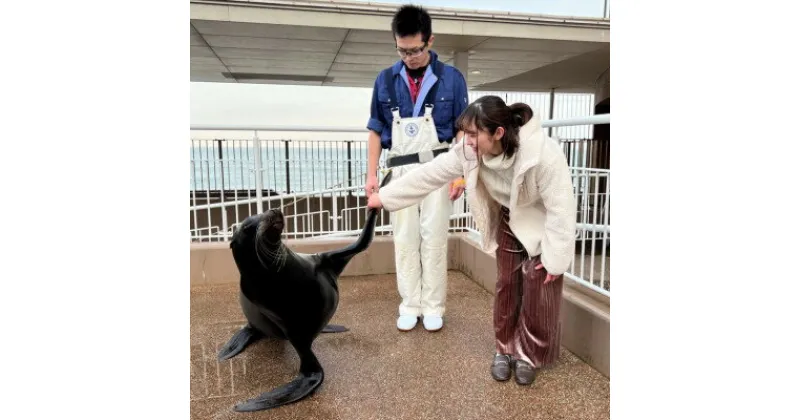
(270, 228)
(264, 229)
(258, 241)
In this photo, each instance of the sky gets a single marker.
(258, 104)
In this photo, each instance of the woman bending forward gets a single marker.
(521, 197)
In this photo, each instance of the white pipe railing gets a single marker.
(281, 197)
(258, 169)
(588, 120)
(592, 189)
(592, 227)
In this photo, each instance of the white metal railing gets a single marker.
(593, 230)
(338, 208)
(566, 122)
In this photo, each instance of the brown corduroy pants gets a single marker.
(526, 311)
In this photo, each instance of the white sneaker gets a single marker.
(432, 322)
(406, 322)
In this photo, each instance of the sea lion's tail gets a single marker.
(337, 260)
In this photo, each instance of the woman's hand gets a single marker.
(549, 277)
(374, 201)
(457, 188)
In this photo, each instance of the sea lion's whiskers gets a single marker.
(278, 257)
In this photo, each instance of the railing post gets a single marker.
(334, 212)
(349, 165)
(257, 169)
(552, 109)
(286, 148)
(223, 208)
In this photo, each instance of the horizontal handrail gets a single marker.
(585, 283)
(588, 120)
(291, 196)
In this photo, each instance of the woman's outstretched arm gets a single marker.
(415, 185)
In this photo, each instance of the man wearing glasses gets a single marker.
(415, 104)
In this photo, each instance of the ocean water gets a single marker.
(294, 165)
(319, 164)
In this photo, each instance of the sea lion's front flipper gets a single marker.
(337, 260)
(243, 338)
(303, 385)
(333, 328)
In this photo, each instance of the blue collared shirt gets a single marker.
(449, 102)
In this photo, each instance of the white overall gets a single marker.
(420, 231)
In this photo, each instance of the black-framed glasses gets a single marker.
(413, 52)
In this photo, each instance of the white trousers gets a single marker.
(421, 230)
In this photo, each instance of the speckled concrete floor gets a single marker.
(375, 371)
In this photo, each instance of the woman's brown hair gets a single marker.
(490, 112)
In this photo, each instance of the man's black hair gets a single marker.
(411, 20)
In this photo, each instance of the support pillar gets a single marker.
(601, 156)
(461, 61)
(602, 132)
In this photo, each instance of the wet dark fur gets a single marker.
(288, 295)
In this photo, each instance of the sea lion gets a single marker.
(289, 296)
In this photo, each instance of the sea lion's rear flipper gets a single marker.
(300, 387)
(333, 328)
(303, 385)
(243, 338)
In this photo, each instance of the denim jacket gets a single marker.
(449, 102)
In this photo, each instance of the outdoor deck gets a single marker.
(375, 371)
